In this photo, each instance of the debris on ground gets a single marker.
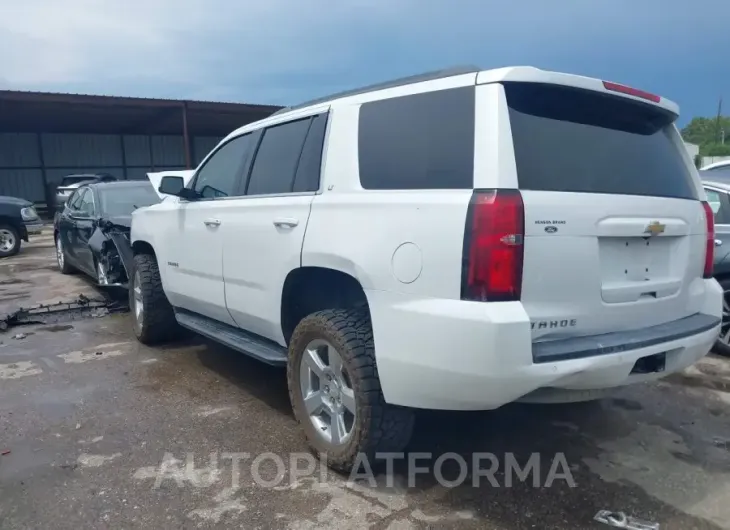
(621, 520)
(5, 452)
(81, 307)
(99, 353)
(20, 336)
(98, 313)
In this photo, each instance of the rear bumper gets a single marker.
(454, 355)
(616, 342)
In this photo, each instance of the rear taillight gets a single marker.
(710, 245)
(623, 89)
(493, 246)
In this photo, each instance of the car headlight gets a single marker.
(28, 214)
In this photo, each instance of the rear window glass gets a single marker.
(568, 139)
(421, 141)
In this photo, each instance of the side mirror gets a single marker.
(171, 185)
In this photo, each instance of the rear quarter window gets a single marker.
(575, 140)
(420, 141)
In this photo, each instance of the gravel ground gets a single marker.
(98, 431)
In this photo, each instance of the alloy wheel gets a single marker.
(327, 392)
(7, 240)
(59, 252)
(137, 300)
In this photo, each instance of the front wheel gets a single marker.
(335, 390)
(63, 265)
(153, 316)
(9, 241)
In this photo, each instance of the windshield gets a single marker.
(567, 139)
(120, 201)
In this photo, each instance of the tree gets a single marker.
(715, 149)
(704, 131)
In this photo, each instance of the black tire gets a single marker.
(157, 323)
(378, 427)
(65, 268)
(16, 241)
(720, 347)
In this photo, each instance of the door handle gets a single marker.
(212, 222)
(718, 242)
(286, 222)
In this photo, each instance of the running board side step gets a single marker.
(248, 343)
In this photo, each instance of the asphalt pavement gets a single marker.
(98, 431)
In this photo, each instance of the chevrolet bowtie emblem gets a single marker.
(654, 228)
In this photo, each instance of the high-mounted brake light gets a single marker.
(493, 246)
(608, 85)
(710, 246)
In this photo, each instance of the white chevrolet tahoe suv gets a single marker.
(457, 240)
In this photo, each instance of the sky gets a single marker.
(287, 51)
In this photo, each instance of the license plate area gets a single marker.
(634, 259)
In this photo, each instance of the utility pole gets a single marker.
(717, 121)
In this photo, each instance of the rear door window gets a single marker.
(575, 140)
(310, 163)
(277, 157)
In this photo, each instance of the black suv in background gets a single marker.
(18, 218)
(70, 183)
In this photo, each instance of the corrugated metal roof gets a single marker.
(31, 94)
(25, 111)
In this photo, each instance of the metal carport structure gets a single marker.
(44, 136)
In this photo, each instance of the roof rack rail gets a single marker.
(418, 78)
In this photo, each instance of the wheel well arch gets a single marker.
(310, 289)
(8, 220)
(143, 247)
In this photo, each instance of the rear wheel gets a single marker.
(153, 317)
(722, 346)
(335, 390)
(9, 241)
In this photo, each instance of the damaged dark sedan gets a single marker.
(92, 232)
